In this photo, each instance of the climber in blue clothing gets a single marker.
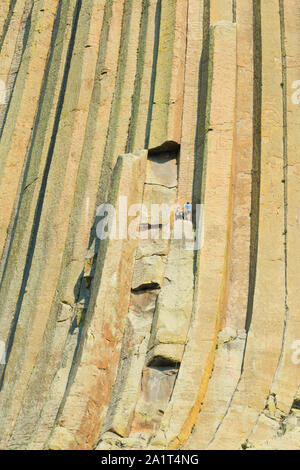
(188, 211)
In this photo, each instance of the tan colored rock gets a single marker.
(135, 340)
(4, 9)
(221, 10)
(168, 94)
(148, 271)
(189, 150)
(264, 429)
(174, 306)
(287, 379)
(156, 387)
(17, 132)
(226, 373)
(11, 50)
(139, 124)
(111, 441)
(34, 309)
(290, 441)
(228, 364)
(242, 171)
(117, 138)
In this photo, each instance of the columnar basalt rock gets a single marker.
(151, 341)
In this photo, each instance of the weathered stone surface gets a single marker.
(162, 170)
(156, 387)
(154, 245)
(17, 132)
(226, 373)
(149, 271)
(96, 372)
(168, 92)
(137, 332)
(194, 61)
(154, 196)
(221, 10)
(210, 284)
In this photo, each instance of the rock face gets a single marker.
(149, 341)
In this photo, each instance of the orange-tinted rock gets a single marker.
(152, 341)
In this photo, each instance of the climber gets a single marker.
(188, 211)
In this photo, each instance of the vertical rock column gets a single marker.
(14, 144)
(287, 377)
(4, 11)
(192, 87)
(12, 45)
(14, 257)
(174, 307)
